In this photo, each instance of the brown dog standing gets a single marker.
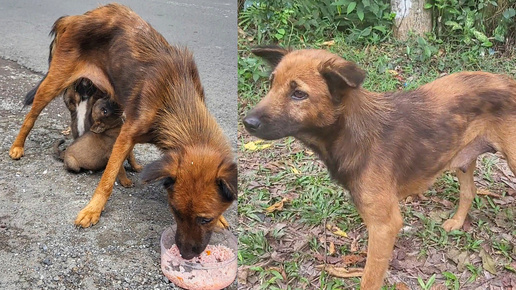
(384, 147)
(158, 87)
(91, 151)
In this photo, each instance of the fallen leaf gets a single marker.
(467, 224)
(331, 249)
(277, 206)
(483, 191)
(487, 262)
(392, 72)
(337, 231)
(401, 286)
(444, 202)
(342, 272)
(329, 43)
(352, 259)
(242, 275)
(66, 132)
(256, 145)
(354, 245)
(460, 258)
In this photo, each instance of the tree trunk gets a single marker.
(411, 16)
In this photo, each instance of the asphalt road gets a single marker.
(39, 199)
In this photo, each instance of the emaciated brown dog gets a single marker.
(158, 87)
(383, 147)
(91, 151)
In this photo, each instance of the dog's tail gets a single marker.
(29, 97)
(58, 152)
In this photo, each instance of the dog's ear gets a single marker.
(271, 54)
(163, 169)
(340, 74)
(227, 181)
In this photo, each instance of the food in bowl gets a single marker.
(214, 269)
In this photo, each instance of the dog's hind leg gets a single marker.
(468, 190)
(132, 161)
(90, 214)
(382, 217)
(122, 177)
(51, 86)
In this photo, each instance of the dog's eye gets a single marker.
(299, 95)
(169, 182)
(104, 111)
(204, 221)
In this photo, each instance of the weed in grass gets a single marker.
(252, 246)
(428, 284)
(452, 282)
(475, 272)
(504, 247)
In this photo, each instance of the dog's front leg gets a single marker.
(382, 217)
(90, 214)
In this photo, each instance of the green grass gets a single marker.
(287, 169)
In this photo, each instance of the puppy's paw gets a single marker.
(222, 223)
(16, 152)
(87, 217)
(452, 224)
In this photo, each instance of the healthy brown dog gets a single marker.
(383, 147)
(158, 87)
(91, 151)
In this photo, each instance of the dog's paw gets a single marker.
(87, 217)
(136, 167)
(126, 182)
(16, 152)
(452, 224)
(222, 223)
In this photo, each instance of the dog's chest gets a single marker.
(82, 110)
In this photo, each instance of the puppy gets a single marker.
(383, 147)
(158, 87)
(91, 151)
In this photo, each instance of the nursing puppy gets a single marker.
(383, 147)
(91, 151)
(158, 87)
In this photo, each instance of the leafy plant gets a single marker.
(365, 20)
(473, 22)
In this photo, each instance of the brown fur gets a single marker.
(158, 87)
(384, 147)
(91, 151)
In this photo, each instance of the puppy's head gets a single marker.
(201, 183)
(79, 99)
(106, 115)
(307, 88)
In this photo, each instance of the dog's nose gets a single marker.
(252, 124)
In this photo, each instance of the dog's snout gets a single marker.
(252, 124)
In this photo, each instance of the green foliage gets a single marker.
(474, 22)
(366, 21)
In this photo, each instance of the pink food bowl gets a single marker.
(214, 269)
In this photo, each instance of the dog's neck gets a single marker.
(188, 123)
(358, 123)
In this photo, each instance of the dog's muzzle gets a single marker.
(252, 124)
